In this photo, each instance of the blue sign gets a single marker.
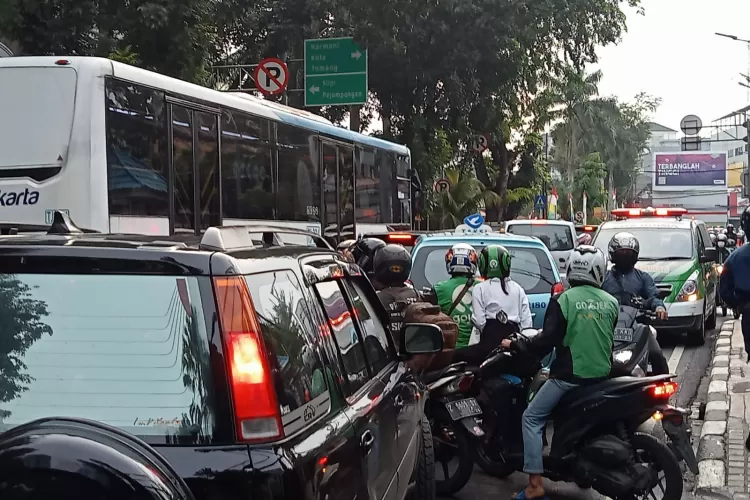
(540, 201)
(474, 221)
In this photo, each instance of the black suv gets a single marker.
(238, 366)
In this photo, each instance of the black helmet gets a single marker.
(730, 228)
(623, 250)
(363, 252)
(392, 265)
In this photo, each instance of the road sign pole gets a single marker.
(354, 120)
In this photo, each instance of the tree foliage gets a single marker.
(617, 132)
(21, 324)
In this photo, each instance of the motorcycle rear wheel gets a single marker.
(446, 484)
(492, 466)
(651, 450)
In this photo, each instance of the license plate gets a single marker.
(624, 334)
(463, 408)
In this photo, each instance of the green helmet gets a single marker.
(494, 262)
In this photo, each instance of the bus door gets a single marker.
(194, 177)
(337, 160)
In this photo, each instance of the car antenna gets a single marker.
(62, 224)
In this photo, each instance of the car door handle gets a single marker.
(366, 441)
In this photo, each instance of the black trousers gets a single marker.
(659, 365)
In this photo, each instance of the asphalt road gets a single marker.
(688, 362)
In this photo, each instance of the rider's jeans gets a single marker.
(535, 417)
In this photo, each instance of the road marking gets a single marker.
(674, 359)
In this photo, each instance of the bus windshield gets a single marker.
(37, 106)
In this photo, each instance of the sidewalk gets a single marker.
(723, 460)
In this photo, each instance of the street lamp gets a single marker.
(747, 42)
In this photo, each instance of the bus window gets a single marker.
(182, 167)
(298, 192)
(372, 188)
(387, 164)
(247, 188)
(37, 106)
(346, 191)
(137, 175)
(208, 169)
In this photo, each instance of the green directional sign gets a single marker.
(335, 72)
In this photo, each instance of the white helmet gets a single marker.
(461, 259)
(587, 265)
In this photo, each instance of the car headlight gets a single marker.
(689, 290)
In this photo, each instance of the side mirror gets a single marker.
(709, 255)
(421, 338)
(663, 294)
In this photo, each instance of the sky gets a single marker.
(672, 52)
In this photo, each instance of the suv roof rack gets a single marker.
(236, 238)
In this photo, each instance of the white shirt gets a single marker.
(489, 299)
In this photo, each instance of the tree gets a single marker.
(466, 196)
(176, 38)
(21, 326)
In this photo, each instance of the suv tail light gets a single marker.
(664, 390)
(256, 409)
(557, 288)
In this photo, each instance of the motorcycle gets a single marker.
(595, 443)
(631, 340)
(630, 358)
(456, 430)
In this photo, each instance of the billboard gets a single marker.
(679, 171)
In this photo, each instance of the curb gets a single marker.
(712, 474)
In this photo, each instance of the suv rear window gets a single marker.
(131, 351)
(531, 268)
(556, 237)
(289, 336)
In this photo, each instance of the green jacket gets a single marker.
(446, 292)
(580, 325)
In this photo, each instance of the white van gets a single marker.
(557, 235)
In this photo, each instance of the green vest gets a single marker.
(591, 314)
(447, 291)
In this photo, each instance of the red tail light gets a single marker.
(402, 238)
(465, 383)
(256, 409)
(557, 288)
(664, 390)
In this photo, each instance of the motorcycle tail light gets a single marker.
(462, 384)
(664, 390)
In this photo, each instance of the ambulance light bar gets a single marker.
(648, 212)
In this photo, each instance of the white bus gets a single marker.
(125, 150)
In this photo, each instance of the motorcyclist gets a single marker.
(454, 295)
(624, 281)
(391, 268)
(498, 292)
(721, 247)
(734, 286)
(579, 325)
(363, 252)
(344, 249)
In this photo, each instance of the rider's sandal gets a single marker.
(521, 495)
